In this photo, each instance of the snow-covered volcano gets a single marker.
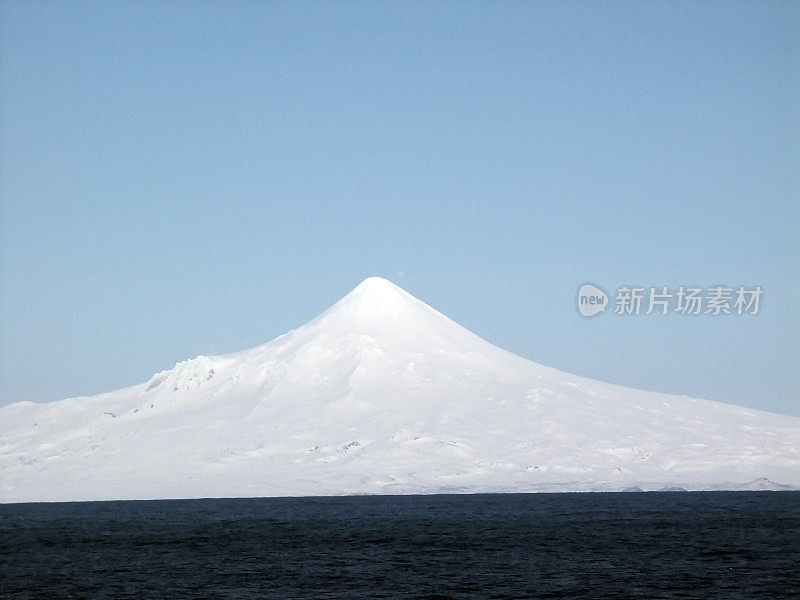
(382, 394)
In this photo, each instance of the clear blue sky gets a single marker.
(181, 178)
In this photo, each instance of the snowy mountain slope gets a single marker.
(382, 394)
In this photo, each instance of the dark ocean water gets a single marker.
(637, 545)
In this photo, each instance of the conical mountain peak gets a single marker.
(380, 291)
(378, 302)
(384, 311)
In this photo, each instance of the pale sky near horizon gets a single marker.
(184, 178)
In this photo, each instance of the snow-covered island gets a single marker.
(382, 394)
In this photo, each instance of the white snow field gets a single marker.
(381, 394)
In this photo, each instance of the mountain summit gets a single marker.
(380, 308)
(382, 394)
(375, 301)
(376, 292)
